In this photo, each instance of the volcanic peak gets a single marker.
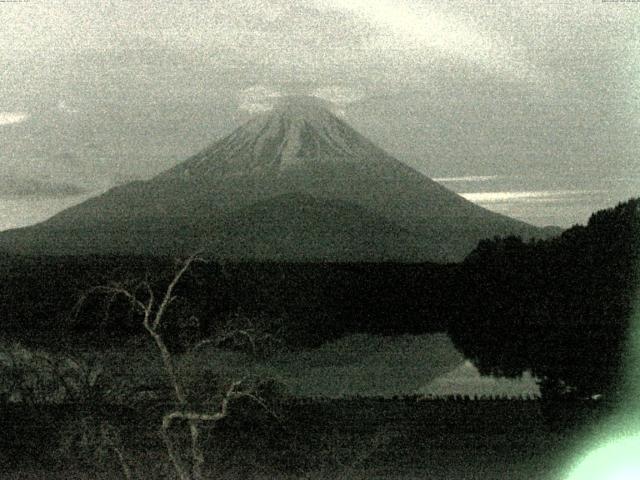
(298, 131)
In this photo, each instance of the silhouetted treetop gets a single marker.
(559, 308)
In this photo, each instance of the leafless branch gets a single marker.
(141, 297)
(168, 296)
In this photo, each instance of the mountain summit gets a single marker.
(293, 183)
(296, 132)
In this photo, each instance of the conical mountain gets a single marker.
(294, 183)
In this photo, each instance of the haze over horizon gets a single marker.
(536, 123)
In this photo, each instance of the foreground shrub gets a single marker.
(39, 377)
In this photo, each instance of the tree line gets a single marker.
(560, 308)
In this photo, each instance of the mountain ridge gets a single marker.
(298, 148)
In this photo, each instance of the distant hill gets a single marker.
(295, 183)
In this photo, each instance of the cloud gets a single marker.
(416, 28)
(257, 99)
(469, 178)
(260, 98)
(542, 196)
(64, 107)
(338, 95)
(7, 118)
(13, 186)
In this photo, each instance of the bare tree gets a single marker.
(258, 335)
(142, 298)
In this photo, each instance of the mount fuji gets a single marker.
(293, 184)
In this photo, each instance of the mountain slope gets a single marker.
(298, 148)
(290, 227)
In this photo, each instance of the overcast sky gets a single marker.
(529, 108)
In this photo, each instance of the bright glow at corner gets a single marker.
(618, 460)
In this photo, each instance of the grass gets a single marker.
(338, 439)
(313, 441)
